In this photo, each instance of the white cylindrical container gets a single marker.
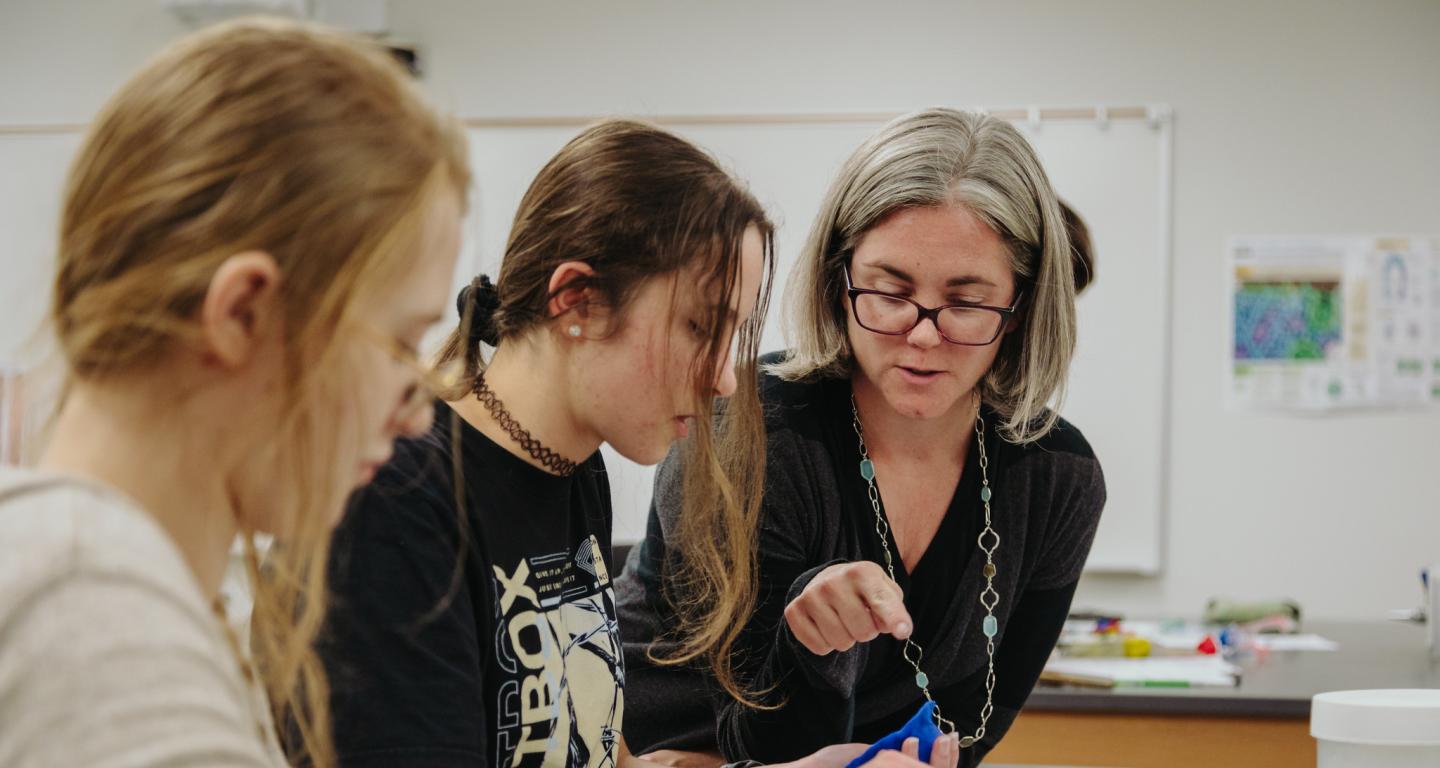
(1396, 728)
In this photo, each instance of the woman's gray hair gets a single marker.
(942, 157)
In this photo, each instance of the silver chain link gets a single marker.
(989, 598)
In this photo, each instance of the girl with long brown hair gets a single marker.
(630, 296)
(256, 227)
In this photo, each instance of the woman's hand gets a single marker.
(677, 758)
(845, 604)
(944, 753)
(833, 756)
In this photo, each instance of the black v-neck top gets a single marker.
(944, 561)
(1046, 506)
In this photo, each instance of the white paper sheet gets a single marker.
(1295, 643)
(1196, 671)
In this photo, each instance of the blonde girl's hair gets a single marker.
(287, 138)
(942, 157)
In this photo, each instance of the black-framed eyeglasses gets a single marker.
(973, 325)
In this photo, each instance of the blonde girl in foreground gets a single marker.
(256, 233)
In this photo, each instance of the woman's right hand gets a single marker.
(944, 753)
(845, 604)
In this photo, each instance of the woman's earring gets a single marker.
(574, 331)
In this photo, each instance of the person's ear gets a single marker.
(570, 296)
(240, 306)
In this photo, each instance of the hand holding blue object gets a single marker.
(921, 726)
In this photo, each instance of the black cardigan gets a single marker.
(1047, 501)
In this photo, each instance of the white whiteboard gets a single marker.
(1115, 174)
(32, 181)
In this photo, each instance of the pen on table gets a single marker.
(1083, 681)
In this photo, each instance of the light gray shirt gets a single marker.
(110, 655)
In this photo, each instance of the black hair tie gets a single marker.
(481, 299)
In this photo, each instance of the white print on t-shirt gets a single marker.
(558, 636)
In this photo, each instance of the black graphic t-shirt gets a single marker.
(482, 636)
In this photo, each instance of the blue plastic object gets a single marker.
(921, 726)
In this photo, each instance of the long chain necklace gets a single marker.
(538, 451)
(988, 541)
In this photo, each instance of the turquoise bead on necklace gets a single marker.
(988, 541)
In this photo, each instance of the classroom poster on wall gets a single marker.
(1324, 323)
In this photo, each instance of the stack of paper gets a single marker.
(1155, 672)
(1295, 643)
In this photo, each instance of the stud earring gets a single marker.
(574, 331)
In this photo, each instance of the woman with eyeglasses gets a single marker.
(253, 226)
(926, 513)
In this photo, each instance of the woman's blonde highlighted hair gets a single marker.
(291, 139)
(943, 157)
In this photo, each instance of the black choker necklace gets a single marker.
(537, 450)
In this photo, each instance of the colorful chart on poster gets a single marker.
(1286, 321)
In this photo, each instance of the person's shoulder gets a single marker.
(428, 453)
(1064, 460)
(95, 595)
(55, 527)
(413, 492)
(787, 402)
(426, 461)
(88, 570)
(593, 474)
(1062, 439)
